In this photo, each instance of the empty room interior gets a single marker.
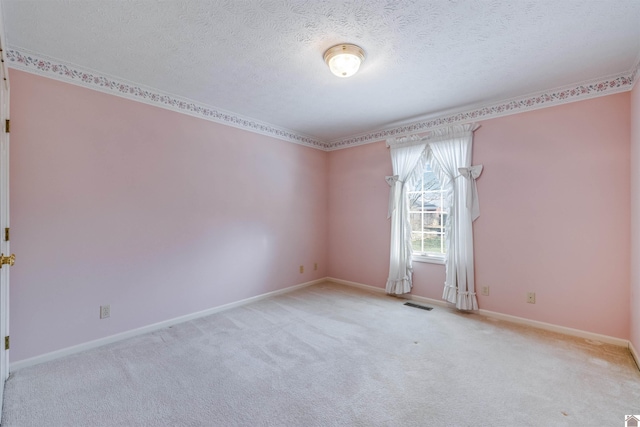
(215, 224)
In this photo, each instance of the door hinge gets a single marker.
(6, 342)
(6, 234)
(7, 125)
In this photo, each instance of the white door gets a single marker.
(5, 250)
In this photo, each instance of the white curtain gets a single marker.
(450, 157)
(405, 156)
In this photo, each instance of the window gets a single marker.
(427, 218)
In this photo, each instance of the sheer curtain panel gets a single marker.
(405, 156)
(450, 155)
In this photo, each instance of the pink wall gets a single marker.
(358, 227)
(554, 200)
(635, 215)
(156, 213)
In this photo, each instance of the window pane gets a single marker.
(433, 201)
(416, 242)
(433, 222)
(415, 201)
(433, 243)
(427, 217)
(416, 221)
(430, 181)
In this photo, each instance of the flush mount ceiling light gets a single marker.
(344, 59)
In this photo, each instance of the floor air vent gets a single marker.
(424, 307)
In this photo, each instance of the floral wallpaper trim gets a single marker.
(72, 74)
(90, 79)
(577, 92)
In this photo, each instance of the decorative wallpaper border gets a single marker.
(38, 64)
(577, 92)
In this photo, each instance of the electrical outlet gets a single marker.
(105, 311)
(315, 265)
(301, 269)
(485, 290)
(531, 297)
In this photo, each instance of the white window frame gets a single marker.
(430, 257)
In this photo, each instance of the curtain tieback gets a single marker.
(471, 174)
(392, 181)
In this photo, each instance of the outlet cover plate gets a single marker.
(105, 311)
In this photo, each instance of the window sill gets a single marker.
(428, 259)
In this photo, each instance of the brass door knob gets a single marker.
(10, 260)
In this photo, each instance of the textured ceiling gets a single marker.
(262, 59)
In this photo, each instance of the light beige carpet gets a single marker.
(330, 355)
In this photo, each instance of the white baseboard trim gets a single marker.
(150, 328)
(556, 328)
(514, 319)
(383, 291)
(356, 285)
(634, 353)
